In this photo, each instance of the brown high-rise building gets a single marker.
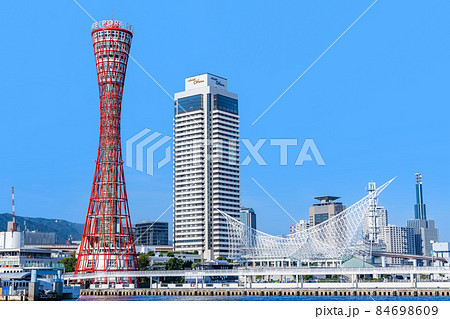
(324, 210)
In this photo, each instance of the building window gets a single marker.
(190, 103)
(226, 104)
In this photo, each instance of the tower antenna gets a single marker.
(13, 211)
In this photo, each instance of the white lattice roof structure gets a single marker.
(339, 236)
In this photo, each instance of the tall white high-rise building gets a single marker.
(206, 165)
(376, 219)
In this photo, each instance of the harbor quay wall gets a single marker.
(318, 292)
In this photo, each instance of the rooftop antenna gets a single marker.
(13, 211)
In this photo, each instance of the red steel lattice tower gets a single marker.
(107, 243)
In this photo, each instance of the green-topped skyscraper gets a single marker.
(425, 231)
(420, 211)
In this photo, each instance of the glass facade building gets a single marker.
(248, 217)
(151, 234)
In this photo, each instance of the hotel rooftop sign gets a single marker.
(205, 79)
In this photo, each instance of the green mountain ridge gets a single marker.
(61, 227)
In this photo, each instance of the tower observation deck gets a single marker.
(107, 243)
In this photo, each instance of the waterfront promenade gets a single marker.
(299, 272)
(413, 283)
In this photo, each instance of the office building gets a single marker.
(398, 240)
(440, 250)
(14, 255)
(39, 238)
(424, 229)
(206, 165)
(151, 234)
(377, 217)
(424, 233)
(302, 225)
(248, 217)
(327, 208)
(16, 262)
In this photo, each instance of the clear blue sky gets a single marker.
(376, 104)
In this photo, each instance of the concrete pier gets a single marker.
(33, 291)
(58, 289)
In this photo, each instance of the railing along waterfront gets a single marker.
(300, 271)
(43, 265)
